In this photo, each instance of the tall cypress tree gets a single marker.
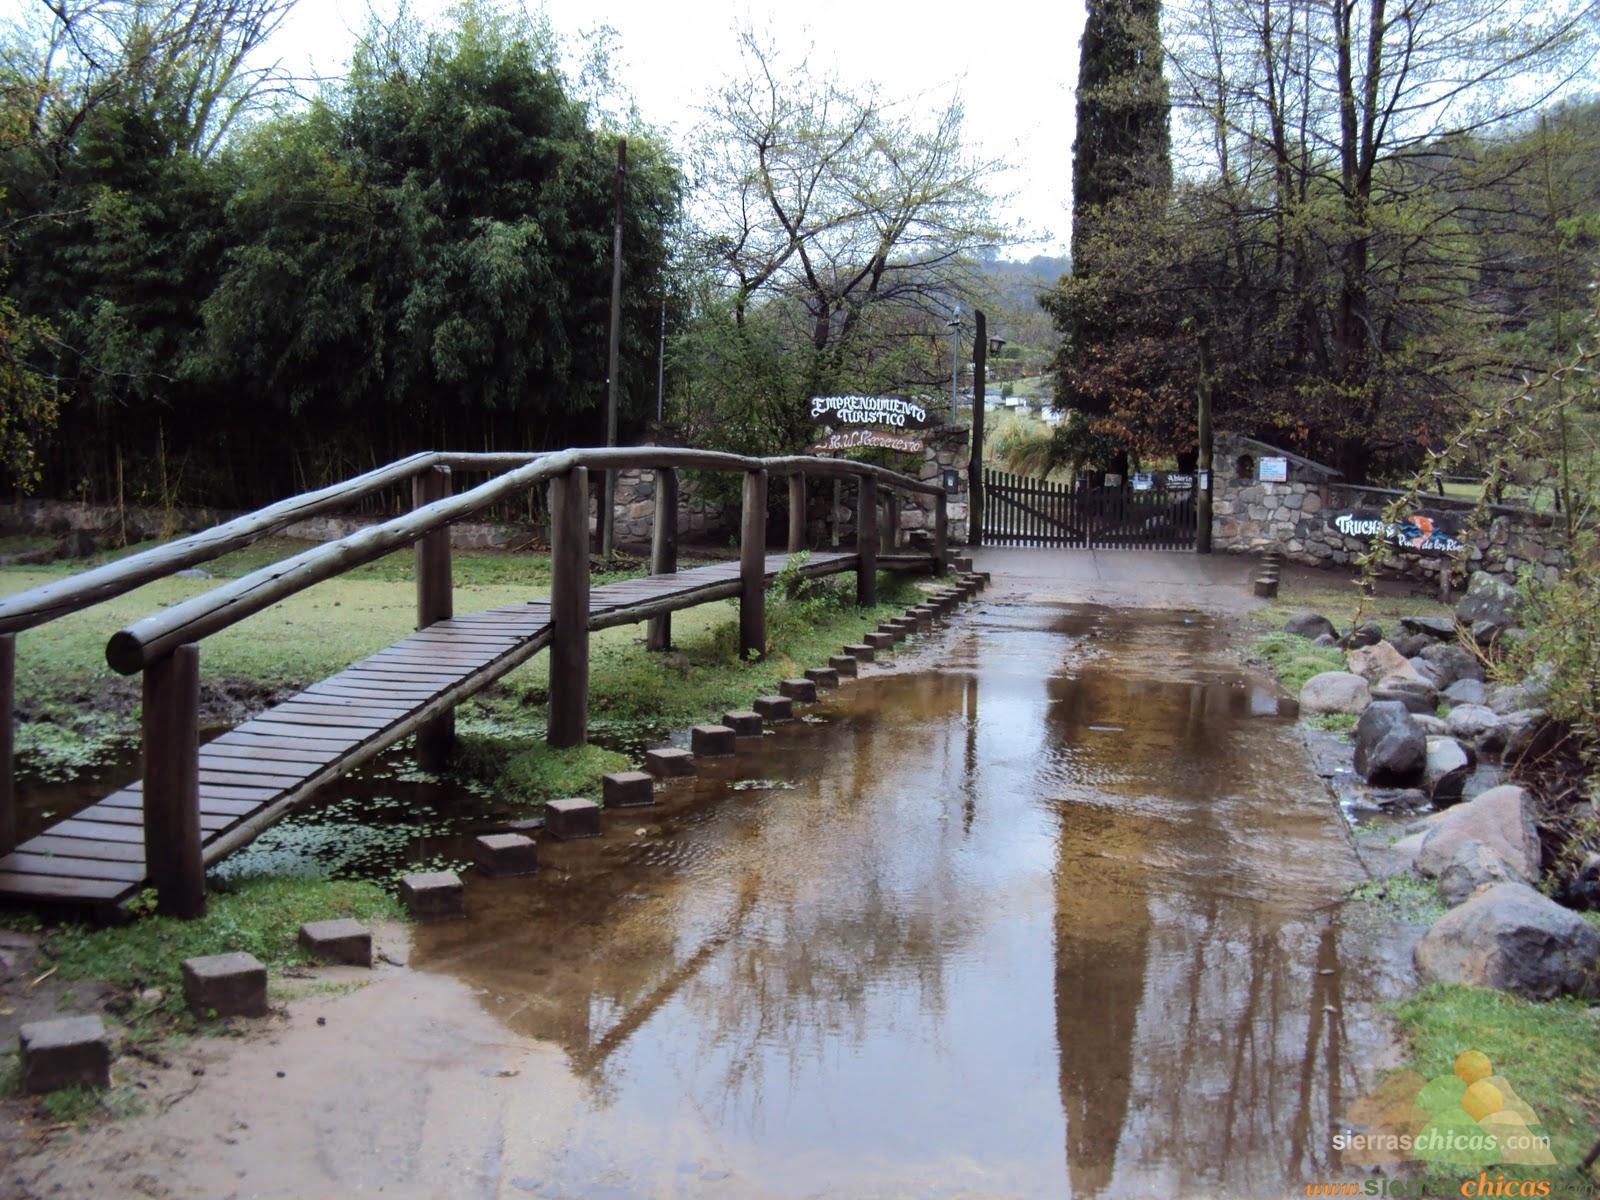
(1122, 157)
(1122, 147)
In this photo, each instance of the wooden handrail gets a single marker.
(134, 647)
(61, 597)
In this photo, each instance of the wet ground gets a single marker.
(1055, 913)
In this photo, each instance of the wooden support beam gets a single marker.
(569, 609)
(889, 535)
(435, 602)
(663, 551)
(8, 764)
(836, 513)
(172, 851)
(753, 567)
(797, 512)
(866, 540)
(941, 534)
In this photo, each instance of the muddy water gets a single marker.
(1059, 915)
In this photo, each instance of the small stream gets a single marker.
(1059, 912)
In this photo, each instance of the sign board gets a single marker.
(1142, 481)
(1205, 481)
(855, 412)
(1429, 533)
(1113, 480)
(1273, 470)
(851, 439)
(1180, 483)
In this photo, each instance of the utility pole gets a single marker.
(608, 501)
(1202, 475)
(955, 363)
(980, 363)
(661, 365)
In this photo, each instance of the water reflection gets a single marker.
(1060, 916)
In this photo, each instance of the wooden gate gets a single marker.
(1018, 511)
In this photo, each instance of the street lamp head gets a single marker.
(995, 343)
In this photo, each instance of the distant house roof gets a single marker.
(1260, 447)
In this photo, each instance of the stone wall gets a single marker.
(1250, 516)
(699, 520)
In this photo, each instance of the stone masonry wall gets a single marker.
(1250, 516)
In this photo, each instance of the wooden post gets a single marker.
(836, 516)
(941, 533)
(435, 738)
(866, 540)
(8, 765)
(663, 552)
(753, 567)
(889, 535)
(1205, 480)
(797, 512)
(172, 783)
(569, 609)
(980, 359)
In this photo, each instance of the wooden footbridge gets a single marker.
(197, 803)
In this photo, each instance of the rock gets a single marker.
(1452, 661)
(1530, 734)
(1487, 633)
(1473, 865)
(1309, 625)
(1412, 644)
(340, 940)
(1373, 662)
(1445, 770)
(1501, 819)
(1421, 668)
(1335, 692)
(1465, 691)
(1478, 726)
(1512, 938)
(1417, 697)
(1368, 633)
(1511, 697)
(225, 985)
(1489, 599)
(64, 1052)
(192, 573)
(1431, 725)
(1586, 882)
(1439, 629)
(1325, 639)
(1390, 749)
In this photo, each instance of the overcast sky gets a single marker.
(1014, 66)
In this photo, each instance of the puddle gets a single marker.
(1060, 916)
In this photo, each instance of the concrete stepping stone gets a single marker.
(861, 652)
(506, 855)
(627, 789)
(774, 708)
(881, 641)
(666, 762)
(744, 722)
(64, 1052)
(226, 985)
(844, 664)
(1266, 586)
(823, 677)
(572, 819)
(340, 940)
(712, 741)
(962, 562)
(433, 894)
(802, 690)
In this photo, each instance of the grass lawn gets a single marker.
(1549, 1051)
(1339, 598)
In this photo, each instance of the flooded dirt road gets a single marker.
(1057, 913)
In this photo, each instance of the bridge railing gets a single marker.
(164, 645)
